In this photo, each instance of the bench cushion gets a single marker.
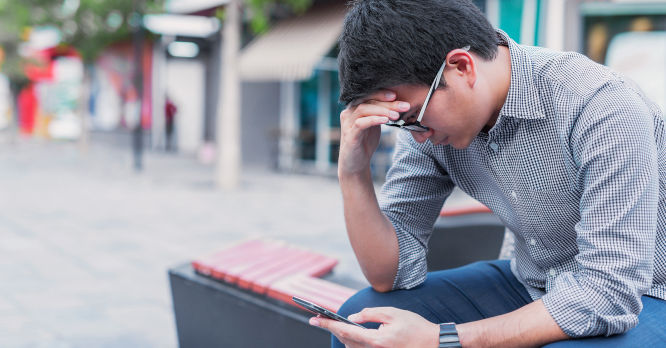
(322, 292)
(276, 269)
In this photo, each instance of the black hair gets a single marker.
(386, 43)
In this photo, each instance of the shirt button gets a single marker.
(494, 146)
(532, 242)
(514, 195)
(552, 272)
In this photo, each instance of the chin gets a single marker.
(461, 146)
(442, 142)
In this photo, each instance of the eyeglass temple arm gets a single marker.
(430, 92)
(434, 85)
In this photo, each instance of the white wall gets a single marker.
(185, 86)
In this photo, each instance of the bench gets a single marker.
(241, 296)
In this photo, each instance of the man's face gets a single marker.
(453, 115)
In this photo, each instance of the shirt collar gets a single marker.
(523, 99)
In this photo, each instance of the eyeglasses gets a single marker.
(417, 126)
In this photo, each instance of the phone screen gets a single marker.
(316, 309)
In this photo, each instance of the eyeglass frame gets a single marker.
(417, 126)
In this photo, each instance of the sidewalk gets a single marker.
(86, 242)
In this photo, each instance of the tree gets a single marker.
(88, 25)
(261, 10)
(92, 25)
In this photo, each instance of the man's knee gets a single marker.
(365, 298)
(356, 303)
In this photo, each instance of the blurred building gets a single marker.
(48, 105)
(630, 38)
(288, 74)
(290, 110)
(114, 99)
(296, 61)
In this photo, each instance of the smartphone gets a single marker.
(316, 309)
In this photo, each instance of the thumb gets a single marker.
(374, 315)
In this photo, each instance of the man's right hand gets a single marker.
(360, 127)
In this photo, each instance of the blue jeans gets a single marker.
(487, 289)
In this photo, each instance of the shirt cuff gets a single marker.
(583, 312)
(412, 267)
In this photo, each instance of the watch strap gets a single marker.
(448, 336)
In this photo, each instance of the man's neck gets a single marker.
(500, 81)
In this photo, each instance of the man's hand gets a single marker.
(371, 234)
(359, 125)
(399, 328)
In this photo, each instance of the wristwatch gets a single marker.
(448, 336)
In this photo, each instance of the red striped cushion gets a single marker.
(257, 263)
(322, 292)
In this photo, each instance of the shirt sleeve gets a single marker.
(613, 143)
(411, 198)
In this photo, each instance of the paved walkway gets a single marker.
(85, 242)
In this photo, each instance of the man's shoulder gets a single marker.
(569, 72)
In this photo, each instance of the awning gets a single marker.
(192, 26)
(192, 6)
(292, 48)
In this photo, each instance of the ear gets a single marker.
(462, 64)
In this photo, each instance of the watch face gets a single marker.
(448, 329)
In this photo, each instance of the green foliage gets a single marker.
(260, 11)
(92, 25)
(87, 25)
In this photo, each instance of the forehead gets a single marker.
(410, 93)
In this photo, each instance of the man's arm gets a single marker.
(529, 326)
(371, 235)
(389, 239)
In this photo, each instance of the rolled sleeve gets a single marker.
(411, 198)
(618, 168)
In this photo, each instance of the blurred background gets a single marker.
(135, 135)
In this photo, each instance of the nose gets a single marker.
(422, 136)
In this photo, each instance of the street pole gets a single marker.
(137, 132)
(228, 123)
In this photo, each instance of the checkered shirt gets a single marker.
(576, 167)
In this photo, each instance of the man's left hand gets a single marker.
(399, 328)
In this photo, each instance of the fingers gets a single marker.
(391, 110)
(394, 107)
(360, 131)
(377, 110)
(366, 116)
(375, 315)
(381, 95)
(346, 333)
(370, 121)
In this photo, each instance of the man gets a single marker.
(570, 155)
